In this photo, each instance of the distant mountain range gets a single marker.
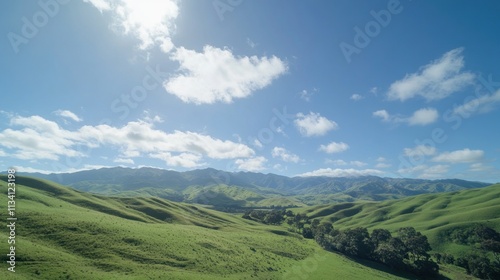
(248, 189)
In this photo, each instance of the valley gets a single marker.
(65, 233)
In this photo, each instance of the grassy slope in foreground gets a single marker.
(432, 214)
(65, 234)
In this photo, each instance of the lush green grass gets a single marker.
(65, 234)
(432, 214)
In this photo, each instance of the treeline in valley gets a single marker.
(408, 251)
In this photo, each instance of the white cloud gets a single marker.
(382, 165)
(152, 22)
(328, 172)
(358, 163)
(420, 151)
(340, 162)
(281, 131)
(482, 104)
(383, 114)
(251, 43)
(187, 160)
(251, 164)
(284, 155)
(124, 160)
(434, 81)
(460, 156)
(257, 143)
(68, 114)
(101, 5)
(279, 167)
(423, 116)
(435, 171)
(356, 97)
(217, 75)
(426, 172)
(306, 95)
(334, 147)
(480, 167)
(374, 90)
(313, 124)
(39, 138)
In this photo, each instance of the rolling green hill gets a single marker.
(62, 233)
(432, 214)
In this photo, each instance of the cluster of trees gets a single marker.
(486, 237)
(408, 251)
(274, 217)
(479, 266)
(483, 238)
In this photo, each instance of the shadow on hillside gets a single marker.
(386, 269)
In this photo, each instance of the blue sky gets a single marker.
(334, 88)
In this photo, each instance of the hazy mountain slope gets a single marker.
(178, 186)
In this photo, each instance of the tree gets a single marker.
(355, 242)
(493, 246)
(391, 253)
(273, 218)
(289, 213)
(307, 233)
(479, 266)
(487, 233)
(438, 257)
(380, 236)
(314, 226)
(416, 244)
(447, 258)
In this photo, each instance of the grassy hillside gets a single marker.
(432, 214)
(65, 234)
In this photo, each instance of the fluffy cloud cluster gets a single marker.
(420, 153)
(334, 147)
(284, 155)
(313, 124)
(424, 116)
(434, 81)
(217, 75)
(329, 172)
(36, 138)
(152, 22)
